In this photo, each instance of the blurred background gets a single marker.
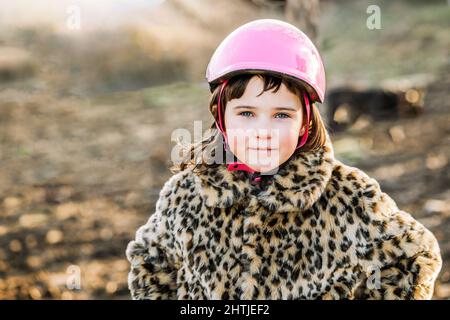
(90, 93)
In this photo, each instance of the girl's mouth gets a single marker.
(262, 149)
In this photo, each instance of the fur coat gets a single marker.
(317, 229)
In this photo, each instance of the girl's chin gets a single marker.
(263, 164)
(264, 169)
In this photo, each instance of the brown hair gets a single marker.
(234, 89)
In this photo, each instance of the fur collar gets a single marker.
(297, 185)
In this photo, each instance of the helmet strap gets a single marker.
(219, 112)
(305, 135)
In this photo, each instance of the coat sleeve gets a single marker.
(401, 257)
(152, 254)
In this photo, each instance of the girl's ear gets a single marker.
(302, 131)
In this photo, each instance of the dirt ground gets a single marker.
(79, 173)
(104, 164)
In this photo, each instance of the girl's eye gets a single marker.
(283, 115)
(245, 113)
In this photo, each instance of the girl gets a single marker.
(302, 226)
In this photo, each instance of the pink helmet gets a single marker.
(268, 45)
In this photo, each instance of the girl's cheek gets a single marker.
(288, 136)
(236, 121)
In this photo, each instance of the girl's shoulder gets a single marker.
(180, 189)
(179, 182)
(355, 187)
(349, 176)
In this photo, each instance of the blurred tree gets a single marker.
(302, 13)
(305, 15)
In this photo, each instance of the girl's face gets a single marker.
(263, 130)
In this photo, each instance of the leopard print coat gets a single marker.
(317, 229)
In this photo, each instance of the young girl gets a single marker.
(285, 219)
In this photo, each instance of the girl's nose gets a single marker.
(263, 134)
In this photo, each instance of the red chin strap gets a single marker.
(237, 165)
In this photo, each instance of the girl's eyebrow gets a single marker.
(277, 108)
